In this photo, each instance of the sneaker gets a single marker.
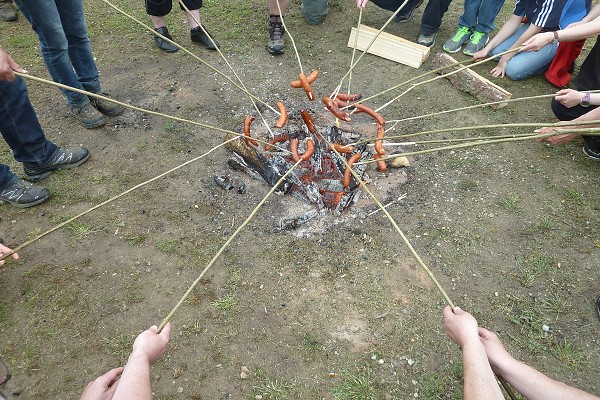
(454, 44)
(477, 42)
(406, 14)
(197, 35)
(106, 107)
(7, 12)
(594, 154)
(23, 194)
(61, 159)
(276, 35)
(426, 40)
(88, 116)
(162, 43)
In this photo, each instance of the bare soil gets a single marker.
(511, 231)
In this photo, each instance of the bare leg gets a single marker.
(273, 10)
(158, 21)
(196, 14)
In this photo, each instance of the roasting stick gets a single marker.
(222, 249)
(354, 47)
(193, 55)
(55, 228)
(181, 3)
(291, 37)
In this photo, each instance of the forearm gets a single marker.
(593, 14)
(480, 382)
(579, 32)
(135, 380)
(504, 33)
(534, 385)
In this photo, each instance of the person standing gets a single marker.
(61, 28)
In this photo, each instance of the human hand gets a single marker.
(481, 54)
(536, 42)
(497, 355)
(8, 66)
(150, 344)
(5, 250)
(500, 69)
(569, 97)
(361, 3)
(460, 326)
(103, 387)
(555, 139)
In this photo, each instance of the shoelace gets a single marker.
(476, 37)
(276, 29)
(462, 31)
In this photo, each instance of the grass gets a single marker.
(225, 303)
(167, 246)
(510, 202)
(270, 390)
(356, 385)
(80, 229)
(310, 342)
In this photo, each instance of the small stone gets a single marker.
(545, 328)
(258, 397)
(496, 294)
(179, 389)
(245, 369)
(414, 382)
(373, 357)
(332, 374)
(243, 375)
(410, 361)
(380, 361)
(399, 162)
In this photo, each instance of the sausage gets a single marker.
(310, 149)
(379, 143)
(284, 115)
(310, 78)
(306, 86)
(276, 139)
(381, 165)
(247, 122)
(380, 126)
(348, 97)
(335, 110)
(340, 148)
(308, 121)
(347, 174)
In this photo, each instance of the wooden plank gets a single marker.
(389, 46)
(471, 82)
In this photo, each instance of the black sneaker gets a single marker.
(23, 194)
(594, 154)
(276, 35)
(197, 35)
(88, 116)
(107, 107)
(406, 15)
(162, 43)
(61, 159)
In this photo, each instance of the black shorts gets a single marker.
(160, 8)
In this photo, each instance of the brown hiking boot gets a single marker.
(7, 12)
(276, 35)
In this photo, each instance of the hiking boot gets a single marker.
(594, 154)
(23, 194)
(197, 35)
(454, 44)
(406, 15)
(61, 159)
(7, 12)
(477, 42)
(88, 116)
(276, 35)
(106, 107)
(426, 40)
(162, 43)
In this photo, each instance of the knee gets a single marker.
(314, 11)
(558, 109)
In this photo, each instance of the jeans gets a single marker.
(568, 114)
(61, 28)
(21, 129)
(529, 63)
(479, 15)
(432, 16)
(314, 11)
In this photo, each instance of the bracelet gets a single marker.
(556, 39)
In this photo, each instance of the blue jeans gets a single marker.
(479, 15)
(61, 28)
(528, 63)
(21, 129)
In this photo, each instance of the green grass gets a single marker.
(80, 229)
(356, 385)
(511, 202)
(271, 390)
(167, 246)
(225, 303)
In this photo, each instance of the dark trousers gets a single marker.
(21, 129)
(160, 8)
(432, 16)
(568, 114)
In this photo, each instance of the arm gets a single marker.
(504, 33)
(148, 347)
(500, 69)
(5, 250)
(480, 382)
(529, 382)
(8, 66)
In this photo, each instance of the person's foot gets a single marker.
(426, 40)
(477, 41)
(594, 154)
(197, 35)
(162, 43)
(276, 43)
(106, 107)
(61, 159)
(455, 43)
(7, 12)
(406, 14)
(23, 194)
(88, 116)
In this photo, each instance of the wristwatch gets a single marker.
(586, 101)
(556, 39)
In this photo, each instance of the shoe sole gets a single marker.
(27, 205)
(92, 125)
(591, 157)
(451, 51)
(45, 174)
(275, 52)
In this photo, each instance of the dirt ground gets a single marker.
(336, 309)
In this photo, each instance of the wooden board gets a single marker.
(389, 46)
(471, 82)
